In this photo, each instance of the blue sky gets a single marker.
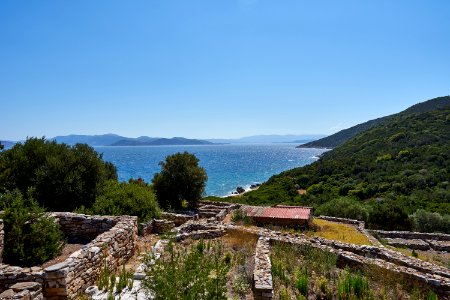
(224, 69)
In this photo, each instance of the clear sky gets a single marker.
(216, 68)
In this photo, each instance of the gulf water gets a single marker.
(227, 166)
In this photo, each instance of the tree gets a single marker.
(59, 177)
(31, 237)
(181, 178)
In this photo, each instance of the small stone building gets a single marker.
(281, 215)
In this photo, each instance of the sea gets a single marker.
(227, 166)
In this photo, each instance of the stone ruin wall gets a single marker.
(262, 273)
(411, 235)
(114, 246)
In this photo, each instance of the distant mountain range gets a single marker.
(117, 140)
(273, 138)
(111, 139)
(342, 136)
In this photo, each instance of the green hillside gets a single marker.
(342, 136)
(396, 167)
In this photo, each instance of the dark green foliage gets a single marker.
(403, 165)
(59, 177)
(135, 198)
(198, 273)
(343, 136)
(345, 207)
(424, 221)
(388, 215)
(181, 178)
(31, 237)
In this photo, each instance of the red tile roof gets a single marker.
(279, 212)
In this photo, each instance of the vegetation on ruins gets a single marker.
(58, 176)
(385, 174)
(31, 237)
(134, 198)
(181, 179)
(315, 273)
(199, 272)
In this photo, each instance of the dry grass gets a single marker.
(338, 232)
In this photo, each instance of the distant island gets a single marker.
(161, 142)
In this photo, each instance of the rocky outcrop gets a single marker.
(240, 190)
(262, 273)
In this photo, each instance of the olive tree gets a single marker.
(180, 178)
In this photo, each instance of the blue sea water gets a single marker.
(227, 166)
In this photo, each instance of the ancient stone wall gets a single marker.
(262, 274)
(23, 291)
(155, 226)
(112, 248)
(65, 280)
(178, 219)
(199, 231)
(411, 235)
(83, 228)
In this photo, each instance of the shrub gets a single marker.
(134, 198)
(425, 221)
(31, 237)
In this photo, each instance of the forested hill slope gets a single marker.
(405, 162)
(342, 136)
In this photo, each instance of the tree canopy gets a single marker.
(58, 176)
(181, 178)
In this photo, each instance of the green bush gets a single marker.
(31, 237)
(134, 198)
(425, 221)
